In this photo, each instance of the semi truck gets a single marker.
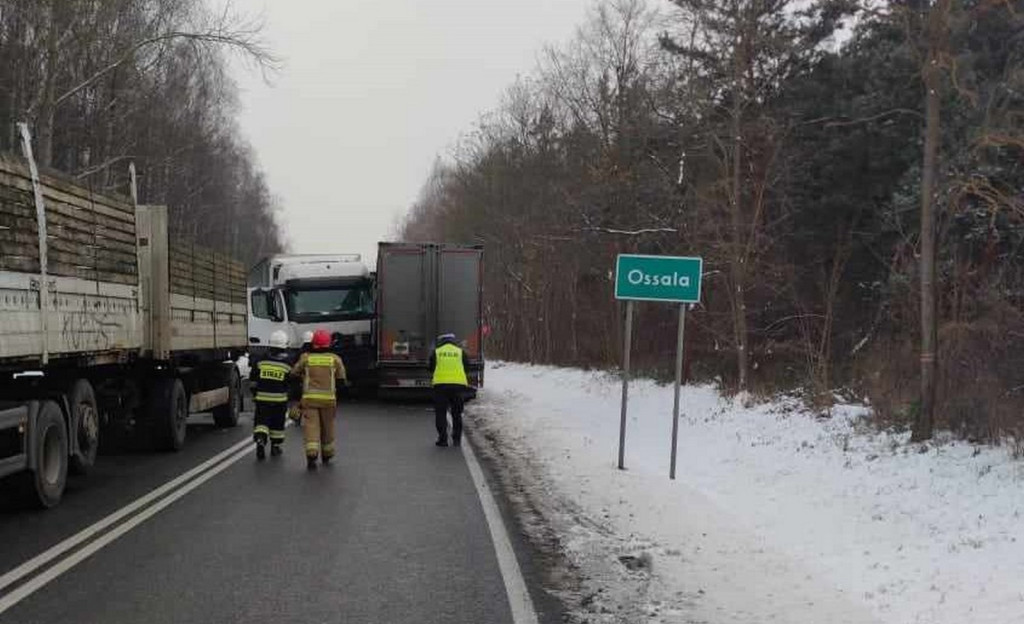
(302, 293)
(424, 290)
(105, 321)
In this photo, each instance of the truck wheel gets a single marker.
(168, 414)
(227, 415)
(85, 423)
(44, 484)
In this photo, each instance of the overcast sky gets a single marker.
(371, 92)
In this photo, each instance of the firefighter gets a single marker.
(448, 364)
(320, 370)
(270, 386)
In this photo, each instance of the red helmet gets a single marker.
(321, 339)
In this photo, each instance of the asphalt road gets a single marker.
(394, 531)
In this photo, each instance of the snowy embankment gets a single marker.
(775, 516)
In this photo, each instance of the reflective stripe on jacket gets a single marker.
(319, 372)
(449, 369)
(272, 381)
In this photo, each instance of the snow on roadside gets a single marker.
(775, 515)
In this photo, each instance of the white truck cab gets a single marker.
(303, 293)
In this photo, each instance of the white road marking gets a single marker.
(515, 586)
(64, 565)
(85, 534)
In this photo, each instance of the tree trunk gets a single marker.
(823, 356)
(739, 304)
(47, 107)
(925, 423)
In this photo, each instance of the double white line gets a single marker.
(97, 536)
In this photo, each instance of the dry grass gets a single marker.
(981, 369)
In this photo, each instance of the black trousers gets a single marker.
(269, 422)
(448, 397)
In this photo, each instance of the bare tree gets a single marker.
(742, 51)
(105, 82)
(166, 25)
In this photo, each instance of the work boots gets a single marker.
(311, 463)
(276, 450)
(261, 451)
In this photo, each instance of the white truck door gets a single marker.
(266, 315)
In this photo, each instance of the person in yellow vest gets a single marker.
(448, 364)
(320, 371)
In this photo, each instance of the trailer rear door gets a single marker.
(403, 280)
(459, 297)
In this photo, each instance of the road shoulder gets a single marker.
(555, 583)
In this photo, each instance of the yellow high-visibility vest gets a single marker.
(449, 369)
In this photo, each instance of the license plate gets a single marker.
(413, 383)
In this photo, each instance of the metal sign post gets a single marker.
(656, 278)
(627, 347)
(679, 378)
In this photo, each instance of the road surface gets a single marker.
(395, 531)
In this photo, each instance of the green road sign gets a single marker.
(658, 278)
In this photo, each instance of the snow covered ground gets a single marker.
(775, 516)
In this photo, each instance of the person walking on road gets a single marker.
(448, 364)
(320, 370)
(270, 389)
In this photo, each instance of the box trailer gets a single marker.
(104, 322)
(424, 290)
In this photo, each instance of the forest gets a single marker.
(851, 172)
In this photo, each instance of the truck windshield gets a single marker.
(329, 304)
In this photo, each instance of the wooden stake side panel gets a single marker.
(200, 273)
(89, 236)
(201, 323)
(93, 277)
(84, 317)
(92, 270)
(207, 299)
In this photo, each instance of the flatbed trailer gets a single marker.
(105, 323)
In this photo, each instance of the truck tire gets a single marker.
(85, 426)
(43, 485)
(168, 414)
(227, 415)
